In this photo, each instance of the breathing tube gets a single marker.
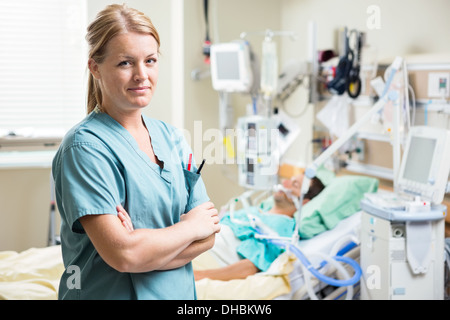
(315, 272)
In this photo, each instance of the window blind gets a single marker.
(42, 66)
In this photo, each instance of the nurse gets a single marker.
(117, 159)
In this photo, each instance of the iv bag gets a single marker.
(269, 68)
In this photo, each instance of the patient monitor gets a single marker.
(231, 69)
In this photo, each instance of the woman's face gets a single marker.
(129, 72)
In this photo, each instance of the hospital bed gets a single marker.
(284, 280)
(329, 222)
(35, 273)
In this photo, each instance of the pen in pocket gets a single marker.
(190, 162)
(201, 166)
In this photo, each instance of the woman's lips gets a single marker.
(139, 89)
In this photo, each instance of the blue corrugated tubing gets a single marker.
(331, 281)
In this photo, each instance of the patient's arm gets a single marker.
(239, 270)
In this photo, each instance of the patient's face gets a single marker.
(294, 185)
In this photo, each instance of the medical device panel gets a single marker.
(425, 168)
(257, 152)
(231, 68)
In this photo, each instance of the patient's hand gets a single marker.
(124, 218)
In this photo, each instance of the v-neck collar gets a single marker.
(153, 136)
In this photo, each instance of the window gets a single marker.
(43, 72)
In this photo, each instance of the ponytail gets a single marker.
(94, 94)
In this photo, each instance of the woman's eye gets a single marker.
(124, 63)
(151, 61)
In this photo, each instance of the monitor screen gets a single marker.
(419, 159)
(228, 65)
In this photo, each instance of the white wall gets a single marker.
(25, 205)
(406, 26)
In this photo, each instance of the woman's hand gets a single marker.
(202, 223)
(204, 219)
(124, 218)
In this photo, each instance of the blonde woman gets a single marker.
(118, 159)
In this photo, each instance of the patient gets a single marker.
(281, 213)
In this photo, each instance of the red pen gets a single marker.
(190, 162)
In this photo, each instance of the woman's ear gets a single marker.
(93, 68)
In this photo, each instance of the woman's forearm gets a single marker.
(144, 250)
(140, 250)
(191, 252)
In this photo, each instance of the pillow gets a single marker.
(325, 176)
(339, 200)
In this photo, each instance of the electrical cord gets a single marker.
(207, 42)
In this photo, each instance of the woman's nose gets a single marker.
(140, 73)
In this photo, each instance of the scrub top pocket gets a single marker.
(195, 190)
(190, 179)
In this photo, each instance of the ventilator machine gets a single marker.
(402, 236)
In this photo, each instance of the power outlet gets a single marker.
(438, 84)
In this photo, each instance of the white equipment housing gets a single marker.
(402, 239)
(231, 68)
(386, 266)
(425, 171)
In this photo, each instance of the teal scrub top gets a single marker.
(98, 166)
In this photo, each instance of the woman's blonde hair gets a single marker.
(113, 20)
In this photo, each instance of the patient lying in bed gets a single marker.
(236, 247)
(239, 254)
